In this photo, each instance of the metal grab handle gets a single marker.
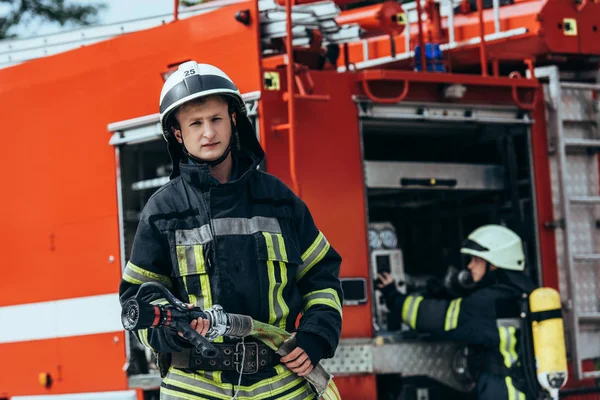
(515, 94)
(384, 100)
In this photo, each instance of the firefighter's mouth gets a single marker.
(210, 145)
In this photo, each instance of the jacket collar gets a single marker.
(198, 175)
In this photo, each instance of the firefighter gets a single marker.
(223, 232)
(486, 319)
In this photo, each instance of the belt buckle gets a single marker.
(251, 350)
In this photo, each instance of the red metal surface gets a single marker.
(543, 194)
(62, 223)
(359, 387)
(482, 50)
(91, 363)
(589, 28)
(377, 19)
(421, 40)
(176, 10)
(329, 166)
(387, 86)
(291, 98)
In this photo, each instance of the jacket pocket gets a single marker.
(279, 256)
(191, 271)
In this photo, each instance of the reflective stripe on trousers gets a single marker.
(285, 385)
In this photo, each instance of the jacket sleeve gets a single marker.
(150, 262)
(469, 319)
(318, 280)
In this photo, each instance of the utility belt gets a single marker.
(257, 356)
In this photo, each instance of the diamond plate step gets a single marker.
(586, 257)
(585, 200)
(586, 143)
(589, 317)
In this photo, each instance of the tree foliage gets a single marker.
(20, 12)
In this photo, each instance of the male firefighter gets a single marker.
(487, 318)
(223, 232)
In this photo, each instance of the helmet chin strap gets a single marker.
(211, 164)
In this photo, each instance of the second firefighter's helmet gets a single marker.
(497, 245)
(191, 81)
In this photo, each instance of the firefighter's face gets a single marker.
(205, 127)
(477, 268)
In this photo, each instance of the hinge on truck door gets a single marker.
(556, 224)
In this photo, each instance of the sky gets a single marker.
(115, 11)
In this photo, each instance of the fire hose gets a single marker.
(138, 313)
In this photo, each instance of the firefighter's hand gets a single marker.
(297, 361)
(200, 325)
(385, 279)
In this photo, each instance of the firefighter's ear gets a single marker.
(233, 116)
(177, 134)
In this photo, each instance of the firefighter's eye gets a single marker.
(215, 119)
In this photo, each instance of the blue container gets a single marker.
(433, 58)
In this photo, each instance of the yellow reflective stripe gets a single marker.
(410, 310)
(193, 257)
(328, 297)
(200, 383)
(182, 260)
(312, 247)
(284, 256)
(191, 388)
(508, 343)
(199, 256)
(272, 292)
(217, 377)
(143, 336)
(206, 294)
(513, 392)
(136, 275)
(278, 309)
(313, 255)
(452, 315)
(285, 311)
(279, 369)
(269, 242)
(159, 301)
(131, 280)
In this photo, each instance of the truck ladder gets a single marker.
(573, 118)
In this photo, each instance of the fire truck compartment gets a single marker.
(434, 175)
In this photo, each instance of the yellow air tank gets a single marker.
(548, 339)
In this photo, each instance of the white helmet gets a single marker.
(497, 245)
(191, 81)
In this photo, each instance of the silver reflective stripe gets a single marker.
(190, 237)
(508, 322)
(225, 227)
(136, 275)
(190, 260)
(244, 226)
(277, 248)
(313, 255)
(328, 297)
(204, 385)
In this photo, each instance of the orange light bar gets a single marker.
(387, 18)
